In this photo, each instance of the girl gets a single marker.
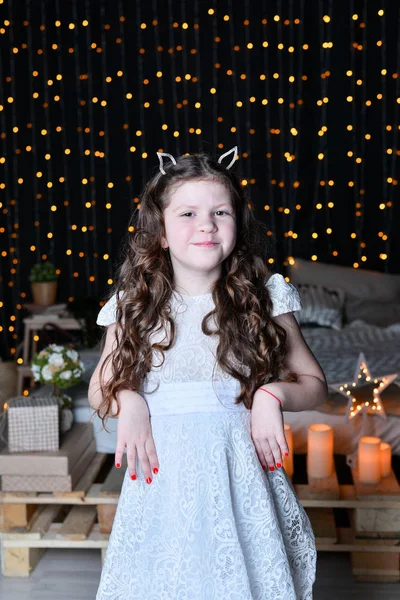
(202, 355)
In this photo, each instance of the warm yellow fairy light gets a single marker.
(50, 177)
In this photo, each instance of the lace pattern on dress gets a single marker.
(212, 525)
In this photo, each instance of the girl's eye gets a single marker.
(221, 211)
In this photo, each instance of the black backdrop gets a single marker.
(91, 90)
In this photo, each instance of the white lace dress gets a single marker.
(212, 525)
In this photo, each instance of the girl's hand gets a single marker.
(267, 430)
(134, 432)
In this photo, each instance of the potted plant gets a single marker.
(62, 367)
(43, 278)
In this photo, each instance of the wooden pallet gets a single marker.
(26, 519)
(83, 518)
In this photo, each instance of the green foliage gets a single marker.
(42, 272)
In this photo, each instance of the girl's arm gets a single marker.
(134, 429)
(94, 395)
(312, 389)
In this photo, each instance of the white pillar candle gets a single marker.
(386, 459)
(288, 460)
(369, 459)
(320, 450)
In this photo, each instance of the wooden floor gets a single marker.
(74, 574)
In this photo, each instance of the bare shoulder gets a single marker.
(299, 357)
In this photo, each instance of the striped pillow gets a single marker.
(321, 306)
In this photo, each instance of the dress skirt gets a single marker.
(213, 525)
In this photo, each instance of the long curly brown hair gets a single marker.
(144, 285)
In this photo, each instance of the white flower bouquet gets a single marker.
(60, 366)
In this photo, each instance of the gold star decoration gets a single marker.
(364, 391)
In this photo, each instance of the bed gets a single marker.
(345, 312)
(338, 352)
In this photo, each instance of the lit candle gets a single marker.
(369, 459)
(386, 459)
(320, 450)
(288, 460)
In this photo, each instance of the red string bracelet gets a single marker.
(276, 397)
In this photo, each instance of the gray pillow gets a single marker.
(373, 312)
(362, 283)
(321, 306)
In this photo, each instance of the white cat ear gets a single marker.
(234, 150)
(160, 158)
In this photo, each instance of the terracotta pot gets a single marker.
(44, 293)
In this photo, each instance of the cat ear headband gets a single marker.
(162, 154)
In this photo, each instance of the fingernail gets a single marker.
(278, 465)
(155, 470)
(133, 477)
(118, 465)
(272, 468)
(286, 453)
(264, 467)
(149, 480)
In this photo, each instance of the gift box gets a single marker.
(33, 424)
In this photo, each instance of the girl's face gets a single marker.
(199, 211)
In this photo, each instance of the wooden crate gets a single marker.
(28, 519)
(373, 534)
(68, 520)
(377, 526)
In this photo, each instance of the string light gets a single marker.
(95, 102)
(363, 392)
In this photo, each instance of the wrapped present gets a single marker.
(58, 463)
(33, 424)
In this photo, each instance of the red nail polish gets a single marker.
(264, 467)
(278, 465)
(149, 480)
(272, 468)
(133, 477)
(155, 470)
(286, 453)
(118, 465)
